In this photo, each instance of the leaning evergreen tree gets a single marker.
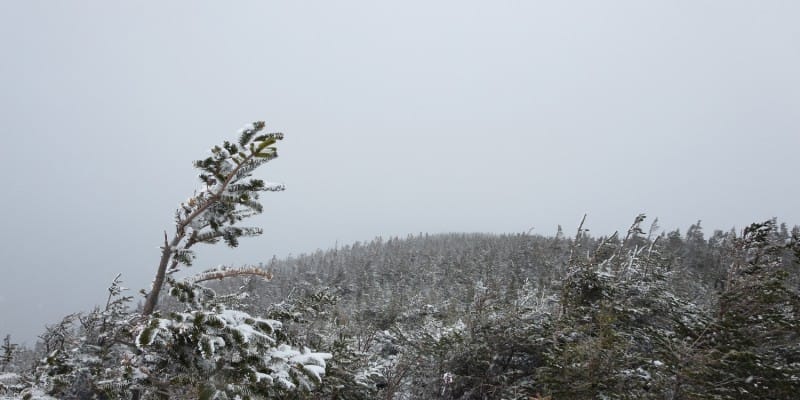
(7, 352)
(206, 347)
(619, 324)
(9, 378)
(209, 349)
(212, 214)
(752, 350)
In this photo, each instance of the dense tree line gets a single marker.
(479, 316)
(634, 315)
(647, 315)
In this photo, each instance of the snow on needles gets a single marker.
(243, 323)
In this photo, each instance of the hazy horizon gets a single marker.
(400, 118)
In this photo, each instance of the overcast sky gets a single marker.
(400, 117)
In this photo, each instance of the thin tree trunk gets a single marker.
(161, 275)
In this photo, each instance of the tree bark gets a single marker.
(161, 274)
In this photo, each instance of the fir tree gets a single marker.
(207, 347)
(751, 349)
(8, 350)
(213, 213)
(618, 326)
(212, 350)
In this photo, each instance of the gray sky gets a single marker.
(400, 117)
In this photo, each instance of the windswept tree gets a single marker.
(206, 347)
(752, 350)
(619, 324)
(213, 213)
(7, 352)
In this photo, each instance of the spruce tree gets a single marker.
(751, 350)
(210, 348)
(8, 351)
(619, 324)
(213, 213)
(203, 346)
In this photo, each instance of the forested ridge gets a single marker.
(519, 316)
(639, 314)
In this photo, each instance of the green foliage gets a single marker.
(208, 348)
(230, 194)
(616, 317)
(619, 326)
(201, 350)
(751, 348)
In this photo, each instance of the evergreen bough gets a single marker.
(212, 214)
(206, 347)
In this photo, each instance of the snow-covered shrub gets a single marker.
(210, 350)
(751, 350)
(619, 326)
(84, 354)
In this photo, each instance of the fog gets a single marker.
(400, 118)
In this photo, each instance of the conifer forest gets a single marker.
(637, 314)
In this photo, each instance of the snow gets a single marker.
(309, 357)
(283, 352)
(214, 343)
(274, 186)
(248, 332)
(9, 378)
(35, 394)
(315, 370)
(605, 274)
(242, 322)
(262, 376)
(226, 168)
(247, 127)
(283, 358)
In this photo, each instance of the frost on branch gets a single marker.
(223, 272)
(229, 195)
(224, 351)
(208, 348)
